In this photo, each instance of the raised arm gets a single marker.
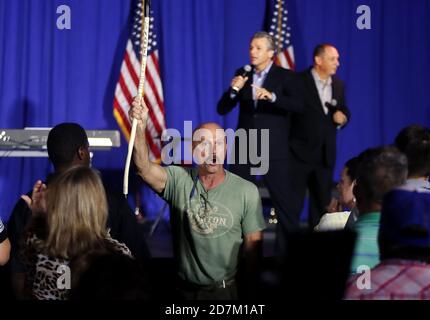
(153, 174)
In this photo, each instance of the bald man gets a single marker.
(312, 142)
(213, 212)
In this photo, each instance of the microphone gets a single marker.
(332, 105)
(246, 71)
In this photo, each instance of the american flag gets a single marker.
(128, 83)
(279, 29)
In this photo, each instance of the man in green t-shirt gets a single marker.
(215, 214)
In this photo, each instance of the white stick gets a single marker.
(140, 94)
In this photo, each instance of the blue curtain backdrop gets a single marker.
(49, 76)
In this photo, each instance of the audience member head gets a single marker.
(405, 225)
(76, 212)
(414, 142)
(68, 146)
(347, 182)
(380, 170)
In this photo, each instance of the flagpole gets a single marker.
(140, 91)
(279, 30)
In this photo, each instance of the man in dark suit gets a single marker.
(266, 95)
(312, 140)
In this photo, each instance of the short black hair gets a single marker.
(351, 168)
(379, 170)
(414, 142)
(64, 141)
(320, 48)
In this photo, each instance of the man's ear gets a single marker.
(317, 60)
(356, 190)
(82, 151)
(271, 54)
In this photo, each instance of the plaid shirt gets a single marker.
(393, 279)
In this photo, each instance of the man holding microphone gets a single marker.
(266, 94)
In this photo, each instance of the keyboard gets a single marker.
(32, 141)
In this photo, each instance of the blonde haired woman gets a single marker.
(68, 229)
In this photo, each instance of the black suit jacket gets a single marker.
(266, 115)
(313, 133)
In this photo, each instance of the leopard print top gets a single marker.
(49, 278)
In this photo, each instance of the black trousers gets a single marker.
(318, 180)
(275, 181)
(217, 291)
(287, 182)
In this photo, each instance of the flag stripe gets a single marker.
(151, 86)
(154, 99)
(153, 67)
(125, 90)
(123, 114)
(154, 81)
(128, 83)
(121, 119)
(133, 58)
(290, 51)
(289, 60)
(282, 61)
(122, 101)
(130, 70)
(152, 117)
(155, 59)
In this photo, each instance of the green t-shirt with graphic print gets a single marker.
(208, 226)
